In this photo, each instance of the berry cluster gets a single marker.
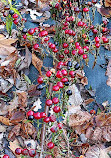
(25, 152)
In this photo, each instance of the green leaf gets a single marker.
(9, 23)
(26, 78)
(10, 2)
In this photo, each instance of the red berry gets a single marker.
(48, 73)
(16, 21)
(70, 32)
(50, 145)
(48, 156)
(24, 19)
(97, 45)
(74, 52)
(37, 115)
(25, 152)
(46, 39)
(52, 46)
(73, 33)
(94, 1)
(30, 113)
(84, 56)
(92, 27)
(31, 31)
(64, 72)
(55, 100)
(65, 45)
(95, 31)
(65, 24)
(104, 29)
(36, 29)
(59, 74)
(81, 52)
(57, 6)
(60, 125)
(32, 152)
(64, 80)
(77, 44)
(42, 114)
(97, 40)
(40, 80)
(44, 33)
(84, 35)
(68, 19)
(80, 23)
(76, 9)
(105, 22)
(18, 151)
(52, 118)
(105, 40)
(48, 102)
(15, 16)
(86, 47)
(6, 156)
(60, 84)
(61, 56)
(49, 44)
(36, 46)
(53, 129)
(60, 63)
(46, 119)
(56, 109)
(92, 112)
(66, 51)
(66, 31)
(85, 10)
(55, 50)
(55, 88)
(24, 36)
(72, 74)
(78, 47)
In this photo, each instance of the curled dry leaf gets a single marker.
(14, 132)
(108, 73)
(22, 98)
(17, 117)
(5, 45)
(37, 63)
(88, 101)
(5, 120)
(32, 91)
(79, 118)
(84, 81)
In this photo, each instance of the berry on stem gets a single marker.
(56, 109)
(50, 145)
(6, 156)
(32, 152)
(18, 151)
(48, 102)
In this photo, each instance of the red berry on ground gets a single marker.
(77, 44)
(85, 10)
(46, 119)
(64, 79)
(31, 31)
(48, 73)
(92, 27)
(55, 50)
(55, 88)
(76, 9)
(32, 152)
(18, 151)
(15, 16)
(59, 74)
(30, 113)
(74, 52)
(64, 72)
(105, 40)
(72, 74)
(66, 51)
(48, 102)
(97, 45)
(52, 46)
(46, 39)
(42, 114)
(55, 100)
(40, 80)
(36, 46)
(16, 21)
(53, 129)
(84, 56)
(60, 84)
(37, 115)
(65, 45)
(6, 156)
(52, 118)
(97, 40)
(92, 112)
(60, 125)
(25, 152)
(44, 33)
(56, 109)
(50, 145)
(80, 23)
(81, 52)
(86, 47)
(36, 29)
(95, 31)
(24, 36)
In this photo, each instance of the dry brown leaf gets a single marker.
(22, 98)
(5, 120)
(17, 117)
(79, 118)
(88, 101)
(32, 91)
(108, 73)
(5, 45)
(37, 63)
(84, 81)
(14, 132)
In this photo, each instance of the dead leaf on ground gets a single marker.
(5, 120)
(88, 101)
(14, 132)
(22, 98)
(37, 63)
(84, 81)
(108, 73)
(17, 117)
(32, 91)
(5, 45)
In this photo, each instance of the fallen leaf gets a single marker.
(37, 63)
(22, 98)
(17, 117)
(5, 120)
(88, 101)
(14, 132)
(84, 81)
(108, 73)
(32, 91)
